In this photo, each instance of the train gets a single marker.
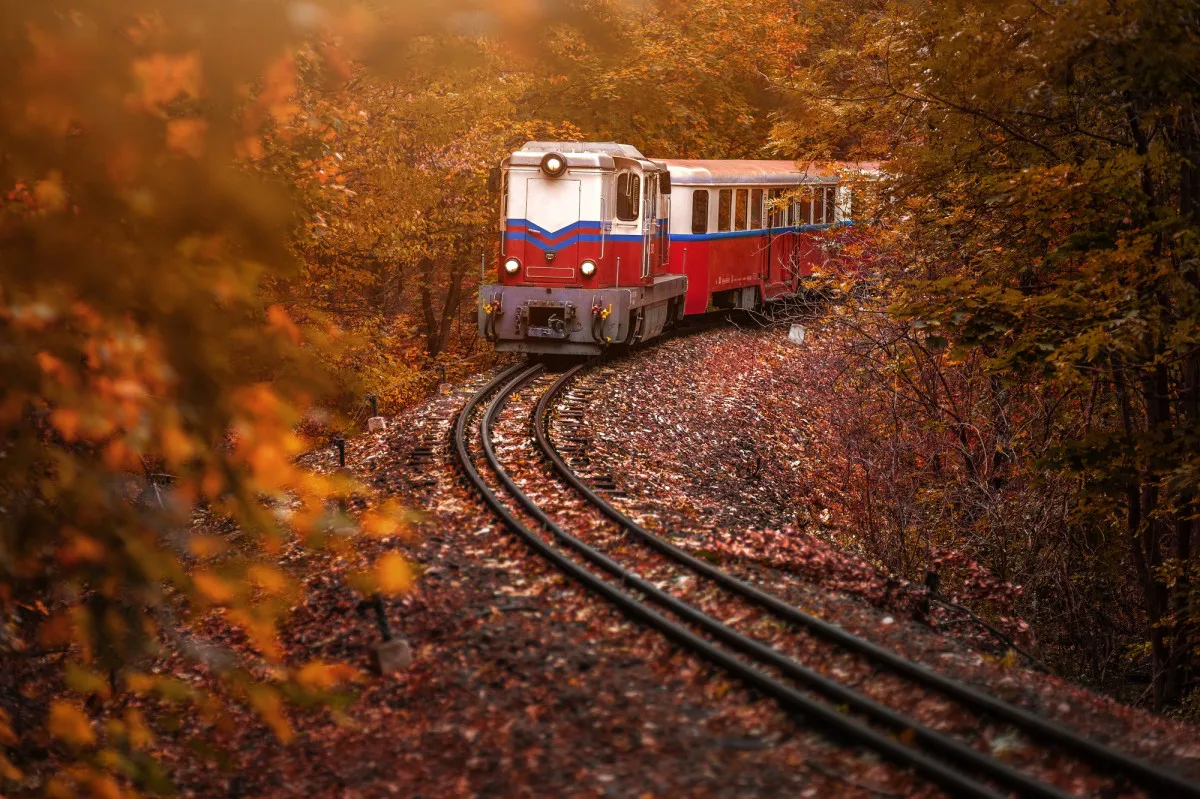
(601, 246)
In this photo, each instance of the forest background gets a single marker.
(224, 219)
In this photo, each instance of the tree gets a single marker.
(1043, 175)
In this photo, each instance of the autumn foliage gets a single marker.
(1027, 359)
(222, 223)
(150, 375)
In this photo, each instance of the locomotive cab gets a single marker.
(584, 251)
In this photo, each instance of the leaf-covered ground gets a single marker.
(524, 685)
(720, 442)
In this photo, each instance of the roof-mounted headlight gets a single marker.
(588, 268)
(554, 165)
(512, 266)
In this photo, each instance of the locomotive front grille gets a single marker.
(549, 319)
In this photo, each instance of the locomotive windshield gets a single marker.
(628, 196)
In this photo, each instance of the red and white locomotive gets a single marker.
(604, 246)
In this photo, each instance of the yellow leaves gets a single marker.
(279, 320)
(103, 786)
(214, 588)
(186, 137)
(261, 632)
(270, 707)
(86, 682)
(177, 446)
(139, 683)
(163, 78)
(269, 579)
(140, 736)
(69, 724)
(393, 575)
(320, 676)
(50, 194)
(384, 521)
(59, 788)
(71, 782)
(270, 465)
(258, 400)
(206, 546)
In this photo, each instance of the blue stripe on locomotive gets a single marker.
(537, 235)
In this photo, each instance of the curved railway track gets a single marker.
(953, 765)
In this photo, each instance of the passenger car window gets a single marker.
(629, 196)
(700, 211)
(739, 210)
(831, 204)
(819, 209)
(724, 210)
(756, 209)
(802, 212)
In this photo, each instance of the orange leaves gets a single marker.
(53, 367)
(186, 137)
(66, 422)
(320, 676)
(260, 629)
(269, 705)
(163, 78)
(50, 194)
(250, 149)
(177, 445)
(393, 574)
(279, 320)
(80, 548)
(384, 521)
(69, 724)
(8, 771)
(206, 546)
(279, 88)
(214, 588)
(269, 579)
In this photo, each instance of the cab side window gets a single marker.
(724, 210)
(629, 196)
(777, 213)
(700, 211)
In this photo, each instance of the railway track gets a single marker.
(850, 715)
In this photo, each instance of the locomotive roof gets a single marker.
(769, 173)
(585, 155)
(582, 154)
(567, 147)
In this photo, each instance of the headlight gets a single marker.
(554, 164)
(588, 268)
(512, 266)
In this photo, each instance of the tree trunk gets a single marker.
(438, 325)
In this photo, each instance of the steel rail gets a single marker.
(1104, 757)
(954, 782)
(944, 745)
